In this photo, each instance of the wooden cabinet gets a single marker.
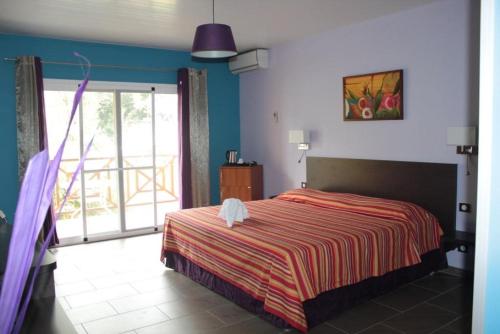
(243, 182)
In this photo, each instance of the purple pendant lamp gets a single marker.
(213, 40)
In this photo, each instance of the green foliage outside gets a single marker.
(131, 111)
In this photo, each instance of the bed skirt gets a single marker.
(325, 305)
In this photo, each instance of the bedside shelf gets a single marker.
(460, 239)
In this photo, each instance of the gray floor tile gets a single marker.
(361, 317)
(190, 289)
(456, 272)
(73, 288)
(151, 284)
(185, 306)
(67, 276)
(80, 330)
(230, 313)
(325, 329)
(125, 322)
(422, 319)
(252, 326)
(458, 300)
(442, 331)
(463, 325)
(108, 281)
(141, 275)
(93, 269)
(97, 296)
(380, 329)
(90, 313)
(136, 302)
(64, 303)
(405, 297)
(439, 282)
(194, 324)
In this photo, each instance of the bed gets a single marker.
(308, 254)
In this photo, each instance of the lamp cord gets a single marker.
(213, 11)
(302, 156)
(469, 158)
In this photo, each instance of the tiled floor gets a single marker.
(120, 286)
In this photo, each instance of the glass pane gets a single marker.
(58, 107)
(138, 194)
(137, 139)
(167, 148)
(102, 202)
(70, 223)
(99, 121)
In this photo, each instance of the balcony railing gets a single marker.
(101, 184)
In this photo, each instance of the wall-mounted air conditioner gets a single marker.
(248, 61)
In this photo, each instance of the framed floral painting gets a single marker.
(374, 96)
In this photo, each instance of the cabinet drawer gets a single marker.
(235, 176)
(244, 193)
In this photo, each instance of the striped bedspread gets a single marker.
(303, 243)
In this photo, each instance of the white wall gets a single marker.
(437, 47)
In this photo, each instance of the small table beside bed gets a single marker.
(362, 228)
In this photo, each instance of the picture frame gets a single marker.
(374, 96)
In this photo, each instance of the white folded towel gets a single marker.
(232, 210)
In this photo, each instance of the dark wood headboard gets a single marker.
(433, 186)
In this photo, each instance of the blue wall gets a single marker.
(492, 307)
(223, 94)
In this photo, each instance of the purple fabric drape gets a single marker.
(43, 141)
(37, 186)
(186, 196)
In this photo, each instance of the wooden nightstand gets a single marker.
(242, 182)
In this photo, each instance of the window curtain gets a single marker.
(30, 114)
(193, 138)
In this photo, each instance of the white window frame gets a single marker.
(116, 87)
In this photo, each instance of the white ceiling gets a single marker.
(171, 23)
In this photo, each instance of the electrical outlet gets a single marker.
(464, 207)
(303, 185)
(463, 248)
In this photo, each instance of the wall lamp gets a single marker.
(301, 138)
(464, 138)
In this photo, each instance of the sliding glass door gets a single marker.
(130, 178)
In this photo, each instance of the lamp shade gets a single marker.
(298, 136)
(461, 136)
(213, 40)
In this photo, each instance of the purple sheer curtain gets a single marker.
(186, 195)
(31, 125)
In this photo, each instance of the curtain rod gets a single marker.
(117, 67)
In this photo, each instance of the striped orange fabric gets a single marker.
(288, 252)
(420, 220)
